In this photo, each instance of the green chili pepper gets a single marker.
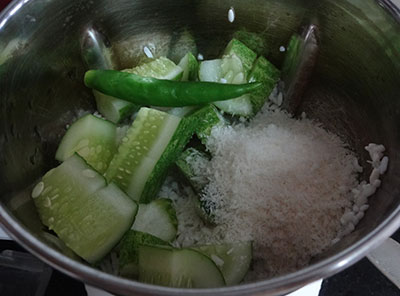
(163, 93)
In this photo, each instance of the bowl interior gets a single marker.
(354, 91)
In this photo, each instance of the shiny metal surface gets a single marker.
(354, 92)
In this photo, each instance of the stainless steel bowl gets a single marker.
(354, 92)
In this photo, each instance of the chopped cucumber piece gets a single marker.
(129, 248)
(209, 118)
(210, 71)
(190, 67)
(151, 145)
(193, 165)
(141, 149)
(255, 41)
(114, 109)
(157, 218)
(263, 71)
(88, 216)
(182, 111)
(180, 268)
(161, 68)
(177, 143)
(245, 54)
(92, 138)
(232, 68)
(232, 259)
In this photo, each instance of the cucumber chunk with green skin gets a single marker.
(92, 138)
(210, 71)
(265, 72)
(245, 54)
(255, 41)
(141, 149)
(180, 268)
(161, 68)
(193, 165)
(129, 248)
(113, 109)
(190, 67)
(174, 148)
(229, 69)
(88, 216)
(233, 259)
(209, 118)
(157, 218)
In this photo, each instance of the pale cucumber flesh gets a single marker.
(161, 68)
(113, 109)
(157, 218)
(180, 268)
(92, 138)
(190, 67)
(140, 149)
(129, 248)
(233, 259)
(88, 216)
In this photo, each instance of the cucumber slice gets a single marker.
(232, 259)
(210, 71)
(262, 71)
(255, 41)
(140, 150)
(114, 109)
(129, 248)
(92, 138)
(190, 67)
(157, 218)
(161, 68)
(176, 145)
(245, 54)
(227, 70)
(88, 217)
(210, 117)
(182, 111)
(193, 165)
(180, 268)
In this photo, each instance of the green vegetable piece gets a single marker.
(233, 259)
(263, 71)
(187, 127)
(92, 138)
(164, 93)
(254, 41)
(140, 150)
(161, 68)
(245, 54)
(115, 110)
(157, 218)
(190, 67)
(129, 248)
(193, 165)
(180, 268)
(210, 118)
(88, 216)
